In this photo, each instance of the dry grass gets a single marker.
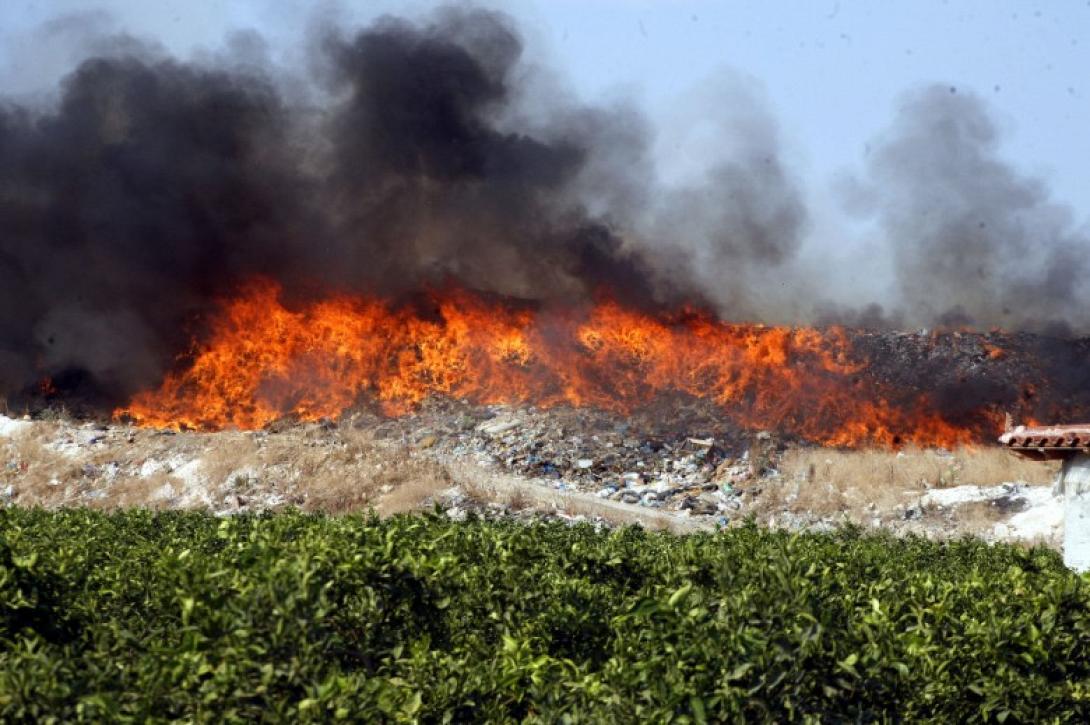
(155, 491)
(395, 482)
(52, 464)
(62, 463)
(483, 487)
(979, 516)
(991, 466)
(912, 468)
(45, 477)
(414, 493)
(332, 471)
(857, 483)
(615, 516)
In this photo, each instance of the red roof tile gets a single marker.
(1048, 442)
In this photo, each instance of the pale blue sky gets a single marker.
(832, 71)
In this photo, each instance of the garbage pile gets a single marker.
(687, 461)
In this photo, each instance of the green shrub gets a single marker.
(165, 616)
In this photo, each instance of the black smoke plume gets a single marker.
(416, 154)
(155, 186)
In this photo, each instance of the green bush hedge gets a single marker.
(140, 616)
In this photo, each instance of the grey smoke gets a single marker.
(732, 224)
(972, 240)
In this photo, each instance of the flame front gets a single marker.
(263, 361)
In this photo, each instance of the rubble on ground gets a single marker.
(637, 461)
(689, 466)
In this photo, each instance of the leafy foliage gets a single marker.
(161, 616)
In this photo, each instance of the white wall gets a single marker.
(1076, 487)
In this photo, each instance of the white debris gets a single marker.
(73, 441)
(189, 473)
(499, 426)
(958, 495)
(10, 426)
(163, 493)
(663, 485)
(1043, 519)
(150, 467)
(1040, 514)
(274, 500)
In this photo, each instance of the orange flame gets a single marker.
(263, 361)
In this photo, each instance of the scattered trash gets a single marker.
(692, 464)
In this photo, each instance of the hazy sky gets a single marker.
(833, 72)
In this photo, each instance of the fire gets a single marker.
(262, 361)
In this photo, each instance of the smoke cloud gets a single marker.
(973, 242)
(413, 154)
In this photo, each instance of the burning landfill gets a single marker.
(210, 265)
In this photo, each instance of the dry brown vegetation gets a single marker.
(41, 474)
(317, 470)
(485, 487)
(978, 516)
(332, 471)
(912, 468)
(857, 483)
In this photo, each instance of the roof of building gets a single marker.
(1047, 442)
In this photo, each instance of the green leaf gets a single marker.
(740, 671)
(697, 706)
(679, 595)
